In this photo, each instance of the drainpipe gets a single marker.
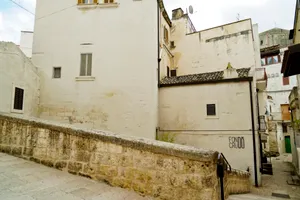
(158, 45)
(259, 128)
(253, 134)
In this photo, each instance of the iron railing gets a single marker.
(221, 166)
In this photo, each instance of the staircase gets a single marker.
(248, 197)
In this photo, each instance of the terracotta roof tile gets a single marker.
(201, 78)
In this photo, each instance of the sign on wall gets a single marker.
(236, 142)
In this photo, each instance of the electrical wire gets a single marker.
(22, 7)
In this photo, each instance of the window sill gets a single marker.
(100, 5)
(212, 117)
(17, 111)
(85, 78)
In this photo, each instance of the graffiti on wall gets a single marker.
(236, 142)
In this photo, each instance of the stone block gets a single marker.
(5, 149)
(75, 166)
(28, 151)
(60, 165)
(143, 189)
(48, 163)
(37, 160)
(121, 182)
(17, 151)
(110, 171)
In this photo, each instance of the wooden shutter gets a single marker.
(80, 1)
(83, 65)
(95, 1)
(89, 65)
(285, 80)
(285, 112)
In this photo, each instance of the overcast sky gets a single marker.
(207, 13)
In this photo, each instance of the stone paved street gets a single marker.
(24, 180)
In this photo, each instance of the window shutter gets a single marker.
(80, 1)
(285, 80)
(89, 65)
(83, 65)
(95, 1)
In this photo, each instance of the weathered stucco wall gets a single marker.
(121, 94)
(161, 170)
(26, 41)
(211, 50)
(16, 70)
(182, 116)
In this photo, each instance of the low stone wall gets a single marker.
(158, 169)
(237, 182)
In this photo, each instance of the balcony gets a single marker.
(261, 78)
(262, 124)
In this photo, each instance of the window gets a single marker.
(108, 1)
(173, 72)
(87, 1)
(211, 109)
(166, 35)
(261, 42)
(263, 62)
(86, 64)
(168, 72)
(172, 44)
(56, 72)
(284, 128)
(270, 60)
(18, 99)
(285, 80)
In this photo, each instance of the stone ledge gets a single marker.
(127, 141)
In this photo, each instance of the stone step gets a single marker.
(248, 197)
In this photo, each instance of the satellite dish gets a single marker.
(191, 9)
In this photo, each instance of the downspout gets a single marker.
(259, 128)
(158, 45)
(253, 134)
(158, 58)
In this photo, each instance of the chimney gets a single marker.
(177, 13)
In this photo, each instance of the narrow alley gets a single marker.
(276, 184)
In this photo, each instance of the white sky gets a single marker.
(208, 13)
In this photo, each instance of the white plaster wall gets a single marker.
(166, 55)
(208, 51)
(275, 88)
(182, 111)
(122, 97)
(26, 42)
(17, 70)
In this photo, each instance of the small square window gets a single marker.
(211, 109)
(56, 72)
(173, 72)
(18, 99)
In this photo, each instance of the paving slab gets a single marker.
(26, 180)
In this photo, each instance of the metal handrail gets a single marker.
(226, 161)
